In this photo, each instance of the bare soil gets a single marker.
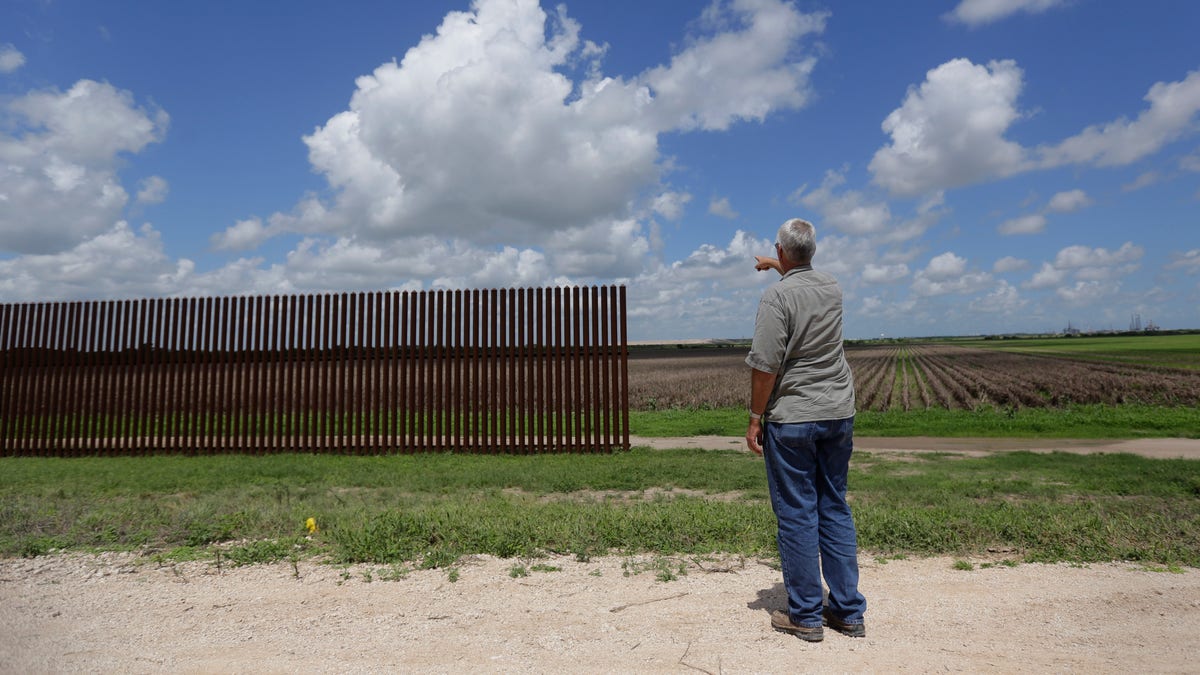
(1157, 448)
(118, 612)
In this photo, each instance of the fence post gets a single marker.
(517, 370)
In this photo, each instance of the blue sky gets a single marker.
(973, 166)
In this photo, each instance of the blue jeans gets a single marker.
(807, 465)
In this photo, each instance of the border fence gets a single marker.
(512, 370)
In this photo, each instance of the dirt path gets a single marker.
(1158, 448)
(114, 613)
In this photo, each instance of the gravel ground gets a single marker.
(1156, 448)
(121, 613)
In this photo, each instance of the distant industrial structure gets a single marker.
(1135, 326)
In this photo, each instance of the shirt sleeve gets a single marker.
(769, 347)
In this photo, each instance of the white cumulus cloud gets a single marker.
(1048, 276)
(975, 13)
(949, 131)
(1009, 264)
(1004, 299)
(59, 154)
(711, 290)
(884, 274)
(1092, 269)
(1031, 224)
(241, 236)
(1144, 180)
(616, 249)
(721, 207)
(849, 211)
(743, 73)
(480, 133)
(11, 58)
(1074, 257)
(119, 262)
(1084, 293)
(153, 190)
(1068, 201)
(945, 266)
(855, 212)
(948, 273)
(670, 204)
(1189, 261)
(1172, 112)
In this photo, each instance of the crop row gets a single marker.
(961, 377)
(917, 376)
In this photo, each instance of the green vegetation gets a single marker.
(1172, 351)
(674, 422)
(1047, 507)
(429, 510)
(1074, 421)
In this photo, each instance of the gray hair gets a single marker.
(798, 239)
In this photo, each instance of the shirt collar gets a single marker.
(799, 268)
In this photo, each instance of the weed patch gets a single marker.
(427, 512)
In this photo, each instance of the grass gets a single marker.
(427, 511)
(1049, 507)
(688, 422)
(1175, 351)
(1075, 421)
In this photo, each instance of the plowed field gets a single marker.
(916, 376)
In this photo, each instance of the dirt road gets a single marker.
(1158, 448)
(118, 614)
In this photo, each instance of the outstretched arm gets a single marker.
(762, 263)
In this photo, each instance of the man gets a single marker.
(802, 423)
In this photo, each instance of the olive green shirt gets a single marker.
(798, 336)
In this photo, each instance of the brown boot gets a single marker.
(780, 621)
(847, 629)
